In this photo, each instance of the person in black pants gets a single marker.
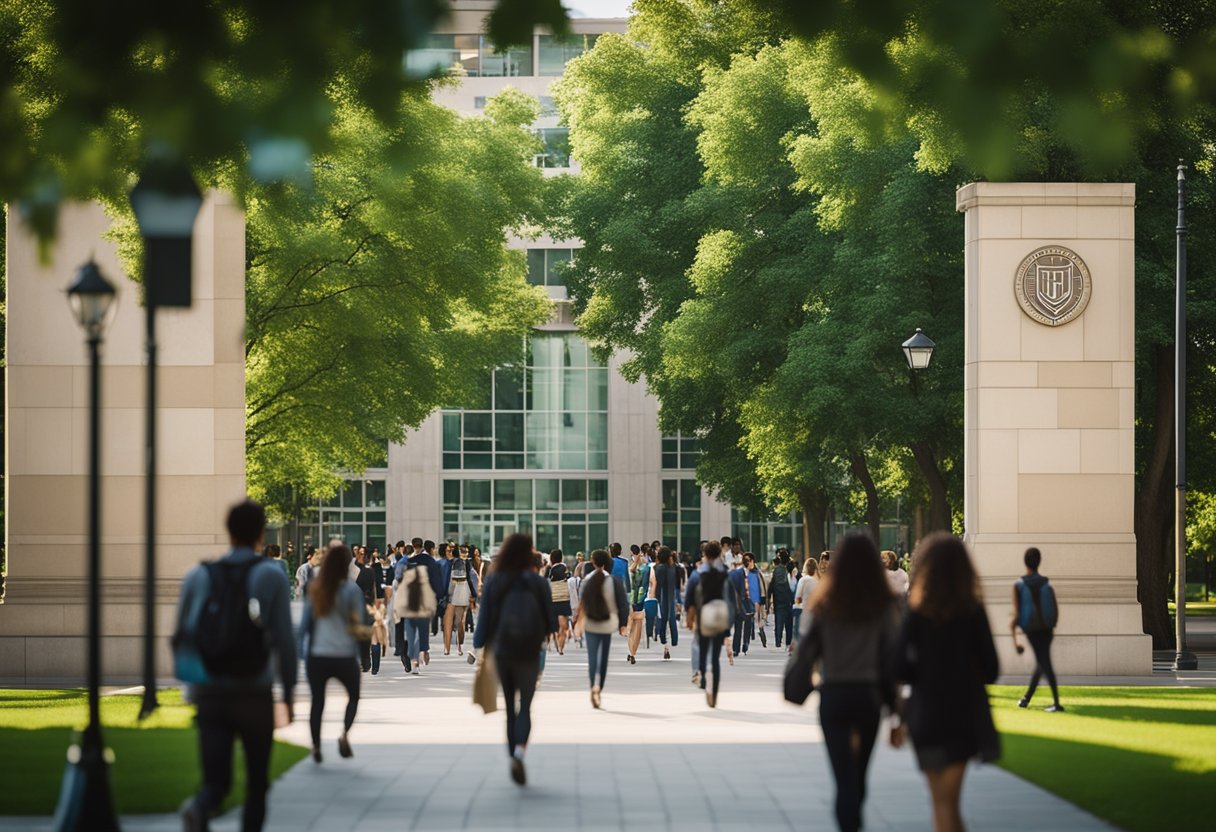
(518, 664)
(335, 605)
(1035, 609)
(945, 652)
(852, 628)
(365, 579)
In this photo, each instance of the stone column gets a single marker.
(1049, 413)
(201, 453)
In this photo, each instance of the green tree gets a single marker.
(87, 88)
(376, 295)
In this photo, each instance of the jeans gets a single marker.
(376, 650)
(651, 607)
(222, 717)
(783, 615)
(399, 642)
(743, 632)
(1040, 643)
(667, 622)
(417, 636)
(320, 669)
(847, 709)
(518, 677)
(710, 647)
(365, 656)
(597, 657)
(437, 621)
(797, 624)
(695, 654)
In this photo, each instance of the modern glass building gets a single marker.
(562, 446)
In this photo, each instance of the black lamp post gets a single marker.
(919, 350)
(84, 799)
(165, 201)
(1184, 659)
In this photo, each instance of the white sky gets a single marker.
(597, 8)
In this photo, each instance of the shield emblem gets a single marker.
(1054, 285)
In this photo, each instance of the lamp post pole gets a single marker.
(1184, 659)
(84, 800)
(149, 703)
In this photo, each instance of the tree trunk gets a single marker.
(939, 501)
(861, 470)
(814, 521)
(1154, 520)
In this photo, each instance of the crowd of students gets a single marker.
(918, 649)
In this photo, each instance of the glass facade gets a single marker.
(680, 453)
(681, 515)
(555, 53)
(555, 147)
(543, 265)
(356, 514)
(567, 513)
(762, 535)
(549, 415)
(471, 55)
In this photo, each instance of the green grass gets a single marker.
(1205, 609)
(1140, 758)
(155, 762)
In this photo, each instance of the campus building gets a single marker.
(563, 447)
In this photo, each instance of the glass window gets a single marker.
(355, 514)
(554, 53)
(374, 493)
(763, 534)
(681, 514)
(680, 452)
(511, 61)
(559, 515)
(555, 147)
(550, 414)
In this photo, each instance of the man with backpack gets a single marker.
(419, 589)
(711, 603)
(1036, 613)
(781, 599)
(233, 627)
(744, 611)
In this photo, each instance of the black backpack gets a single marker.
(231, 637)
(521, 622)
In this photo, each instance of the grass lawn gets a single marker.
(1140, 758)
(156, 761)
(1203, 609)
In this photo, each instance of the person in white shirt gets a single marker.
(896, 577)
(802, 592)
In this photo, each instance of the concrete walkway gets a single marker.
(655, 758)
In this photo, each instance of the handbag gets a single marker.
(798, 684)
(485, 683)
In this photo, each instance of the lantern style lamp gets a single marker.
(919, 350)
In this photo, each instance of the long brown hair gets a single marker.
(855, 589)
(323, 589)
(945, 585)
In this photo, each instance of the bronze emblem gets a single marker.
(1052, 284)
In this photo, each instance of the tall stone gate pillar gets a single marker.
(200, 455)
(1049, 413)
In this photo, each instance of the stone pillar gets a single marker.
(201, 453)
(1049, 413)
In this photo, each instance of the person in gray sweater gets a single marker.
(232, 706)
(851, 632)
(333, 615)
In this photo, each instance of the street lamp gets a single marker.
(84, 800)
(165, 201)
(918, 350)
(1184, 659)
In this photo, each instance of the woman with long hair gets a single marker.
(850, 632)
(803, 590)
(665, 588)
(332, 620)
(639, 586)
(945, 652)
(602, 610)
(516, 618)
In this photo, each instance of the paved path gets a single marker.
(655, 758)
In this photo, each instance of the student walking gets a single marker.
(945, 652)
(603, 609)
(851, 630)
(332, 617)
(462, 593)
(711, 604)
(230, 656)
(639, 586)
(416, 600)
(1036, 614)
(559, 585)
(803, 592)
(516, 617)
(781, 599)
(664, 583)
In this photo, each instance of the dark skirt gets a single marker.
(562, 608)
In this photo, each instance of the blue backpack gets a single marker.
(1036, 605)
